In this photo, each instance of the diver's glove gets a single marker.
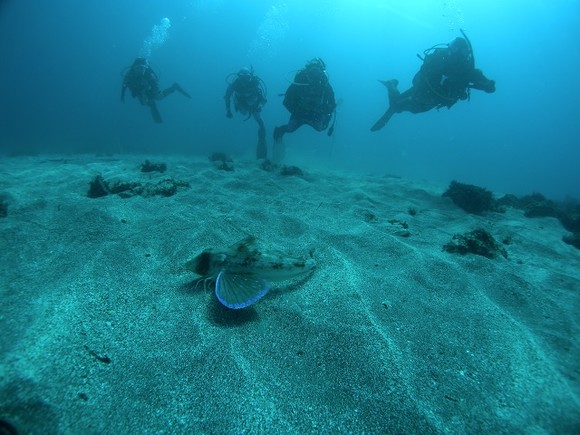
(490, 88)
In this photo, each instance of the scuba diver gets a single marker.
(144, 85)
(249, 92)
(447, 75)
(310, 100)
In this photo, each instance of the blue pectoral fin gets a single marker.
(239, 290)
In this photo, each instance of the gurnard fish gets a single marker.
(242, 273)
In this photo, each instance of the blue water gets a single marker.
(62, 60)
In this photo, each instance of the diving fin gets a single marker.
(155, 113)
(278, 151)
(181, 91)
(262, 150)
(383, 120)
(171, 89)
(391, 85)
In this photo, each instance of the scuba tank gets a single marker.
(439, 46)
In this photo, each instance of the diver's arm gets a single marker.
(479, 81)
(123, 88)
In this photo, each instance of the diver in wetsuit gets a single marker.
(446, 76)
(309, 99)
(144, 85)
(249, 94)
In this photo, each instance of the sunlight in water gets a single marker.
(202, 6)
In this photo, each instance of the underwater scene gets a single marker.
(266, 216)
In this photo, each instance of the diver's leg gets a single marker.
(416, 100)
(278, 149)
(320, 121)
(154, 112)
(165, 92)
(262, 148)
(293, 125)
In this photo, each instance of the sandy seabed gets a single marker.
(104, 331)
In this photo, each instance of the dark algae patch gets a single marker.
(478, 242)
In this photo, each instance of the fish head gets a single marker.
(208, 263)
